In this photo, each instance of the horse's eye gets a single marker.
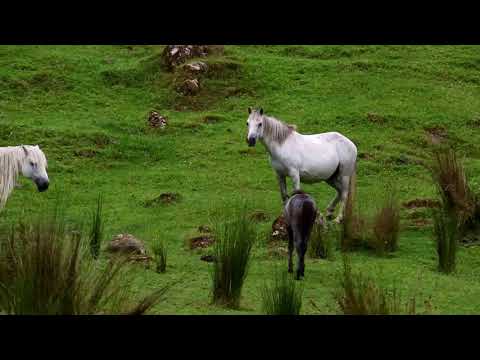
(32, 164)
(259, 125)
(247, 123)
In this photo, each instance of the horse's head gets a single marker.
(34, 166)
(255, 126)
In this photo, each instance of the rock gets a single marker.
(189, 87)
(126, 244)
(196, 68)
(174, 55)
(155, 120)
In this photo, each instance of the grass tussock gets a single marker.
(360, 295)
(386, 226)
(96, 231)
(160, 252)
(353, 227)
(234, 241)
(321, 243)
(46, 269)
(446, 234)
(449, 176)
(283, 296)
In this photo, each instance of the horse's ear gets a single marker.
(249, 110)
(261, 111)
(25, 150)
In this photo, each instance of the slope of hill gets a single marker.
(87, 106)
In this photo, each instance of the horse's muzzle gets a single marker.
(251, 141)
(42, 185)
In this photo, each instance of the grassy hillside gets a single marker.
(86, 106)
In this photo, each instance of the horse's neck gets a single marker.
(274, 147)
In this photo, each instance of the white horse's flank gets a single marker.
(329, 157)
(28, 160)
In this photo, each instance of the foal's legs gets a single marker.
(301, 247)
(290, 249)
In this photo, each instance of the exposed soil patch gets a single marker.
(474, 123)
(164, 199)
(436, 135)
(259, 216)
(86, 153)
(202, 241)
(365, 156)
(212, 119)
(204, 229)
(375, 118)
(421, 203)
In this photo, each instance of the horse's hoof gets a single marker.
(338, 221)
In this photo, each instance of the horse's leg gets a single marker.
(345, 182)
(290, 249)
(295, 175)
(336, 184)
(282, 181)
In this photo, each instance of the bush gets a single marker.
(233, 245)
(360, 295)
(386, 226)
(46, 269)
(96, 232)
(160, 252)
(283, 296)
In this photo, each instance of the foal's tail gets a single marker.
(309, 213)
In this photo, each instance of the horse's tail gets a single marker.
(352, 186)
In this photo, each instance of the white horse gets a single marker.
(26, 159)
(329, 157)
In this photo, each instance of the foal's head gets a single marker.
(255, 126)
(34, 166)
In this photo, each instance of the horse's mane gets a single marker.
(277, 130)
(9, 168)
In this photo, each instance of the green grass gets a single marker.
(87, 106)
(283, 296)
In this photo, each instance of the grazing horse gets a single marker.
(300, 213)
(329, 157)
(28, 160)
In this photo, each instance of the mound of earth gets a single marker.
(201, 241)
(279, 229)
(164, 199)
(126, 244)
(421, 203)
